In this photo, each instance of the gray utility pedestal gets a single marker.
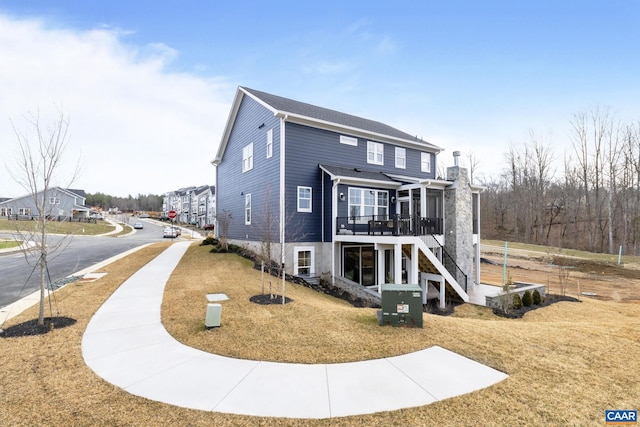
(214, 312)
(402, 305)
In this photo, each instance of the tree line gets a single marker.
(590, 202)
(142, 202)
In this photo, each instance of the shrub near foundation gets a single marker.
(527, 299)
(537, 298)
(517, 301)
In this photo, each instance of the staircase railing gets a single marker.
(451, 265)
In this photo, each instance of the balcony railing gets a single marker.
(393, 225)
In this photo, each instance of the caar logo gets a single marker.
(621, 417)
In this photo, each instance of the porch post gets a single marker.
(397, 263)
(443, 303)
(414, 265)
(380, 264)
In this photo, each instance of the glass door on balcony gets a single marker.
(359, 264)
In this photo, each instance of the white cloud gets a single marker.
(139, 127)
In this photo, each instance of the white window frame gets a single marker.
(310, 199)
(54, 200)
(367, 199)
(348, 140)
(375, 153)
(247, 158)
(401, 158)
(247, 209)
(296, 258)
(425, 162)
(24, 211)
(269, 143)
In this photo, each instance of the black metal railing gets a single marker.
(452, 266)
(394, 225)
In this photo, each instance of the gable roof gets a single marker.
(314, 116)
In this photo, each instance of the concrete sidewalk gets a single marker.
(126, 344)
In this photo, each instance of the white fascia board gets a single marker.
(368, 182)
(227, 129)
(334, 127)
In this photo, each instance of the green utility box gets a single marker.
(402, 305)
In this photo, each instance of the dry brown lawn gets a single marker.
(567, 362)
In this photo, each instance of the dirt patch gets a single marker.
(566, 276)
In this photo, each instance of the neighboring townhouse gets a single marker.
(193, 205)
(205, 205)
(351, 199)
(59, 203)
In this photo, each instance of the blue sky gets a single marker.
(148, 85)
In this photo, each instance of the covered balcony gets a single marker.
(389, 225)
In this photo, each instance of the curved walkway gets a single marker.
(126, 344)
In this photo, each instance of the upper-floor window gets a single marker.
(269, 143)
(247, 158)
(348, 140)
(304, 199)
(401, 158)
(54, 200)
(425, 162)
(247, 209)
(375, 153)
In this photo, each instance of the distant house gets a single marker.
(193, 205)
(348, 198)
(60, 204)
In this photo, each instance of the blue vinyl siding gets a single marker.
(305, 149)
(261, 182)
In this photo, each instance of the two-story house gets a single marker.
(348, 198)
(59, 203)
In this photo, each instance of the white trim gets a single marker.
(348, 140)
(247, 157)
(424, 156)
(377, 149)
(401, 157)
(282, 189)
(269, 143)
(247, 209)
(310, 208)
(296, 251)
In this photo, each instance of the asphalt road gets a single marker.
(17, 280)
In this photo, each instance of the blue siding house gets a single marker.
(351, 200)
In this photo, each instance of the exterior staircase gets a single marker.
(428, 262)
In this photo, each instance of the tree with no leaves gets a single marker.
(39, 158)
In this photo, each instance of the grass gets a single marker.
(7, 244)
(567, 362)
(55, 227)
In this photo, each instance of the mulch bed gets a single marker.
(268, 299)
(31, 327)
(548, 300)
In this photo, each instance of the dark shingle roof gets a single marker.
(303, 109)
(357, 173)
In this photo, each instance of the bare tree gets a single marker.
(224, 219)
(40, 154)
(473, 162)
